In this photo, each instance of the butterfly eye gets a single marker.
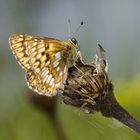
(74, 41)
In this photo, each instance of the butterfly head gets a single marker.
(74, 41)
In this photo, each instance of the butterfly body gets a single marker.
(45, 60)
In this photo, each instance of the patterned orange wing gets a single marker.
(47, 61)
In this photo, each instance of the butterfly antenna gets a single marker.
(69, 28)
(78, 28)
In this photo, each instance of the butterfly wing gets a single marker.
(48, 59)
(46, 62)
(37, 83)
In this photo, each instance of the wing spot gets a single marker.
(57, 55)
(20, 55)
(33, 54)
(48, 63)
(58, 68)
(35, 40)
(38, 56)
(17, 45)
(40, 50)
(49, 78)
(13, 41)
(24, 60)
(38, 70)
(39, 46)
(33, 60)
(45, 71)
(43, 88)
(51, 82)
(35, 43)
(43, 53)
(21, 35)
(61, 73)
(35, 65)
(32, 50)
(55, 64)
(46, 76)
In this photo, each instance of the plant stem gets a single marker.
(109, 107)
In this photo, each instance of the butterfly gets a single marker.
(45, 60)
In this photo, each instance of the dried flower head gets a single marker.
(87, 83)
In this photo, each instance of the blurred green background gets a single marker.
(115, 24)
